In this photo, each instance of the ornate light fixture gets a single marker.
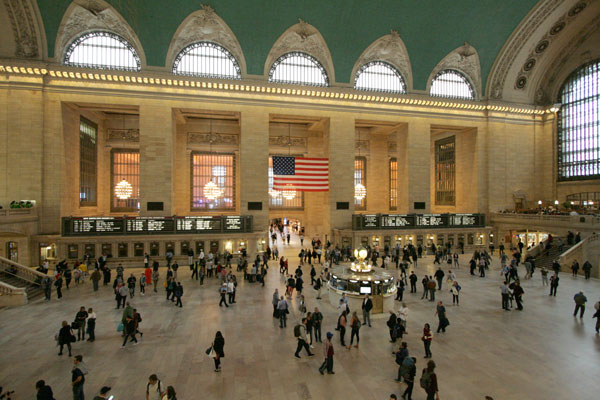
(289, 193)
(212, 191)
(360, 191)
(123, 190)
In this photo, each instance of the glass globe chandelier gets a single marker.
(212, 191)
(123, 190)
(360, 191)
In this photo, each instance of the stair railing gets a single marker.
(21, 272)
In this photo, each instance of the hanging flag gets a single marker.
(301, 174)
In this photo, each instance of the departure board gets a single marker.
(416, 221)
(94, 226)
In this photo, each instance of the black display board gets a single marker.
(416, 221)
(106, 226)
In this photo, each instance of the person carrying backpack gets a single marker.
(401, 355)
(409, 370)
(300, 334)
(154, 388)
(429, 381)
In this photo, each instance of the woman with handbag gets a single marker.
(65, 336)
(426, 338)
(217, 348)
(355, 326)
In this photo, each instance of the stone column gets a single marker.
(341, 170)
(254, 166)
(156, 158)
(418, 140)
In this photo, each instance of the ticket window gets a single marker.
(243, 244)
(440, 240)
(154, 249)
(375, 241)
(470, 239)
(451, 240)
(419, 240)
(89, 249)
(184, 248)
(229, 246)
(461, 239)
(107, 249)
(261, 245)
(123, 250)
(214, 246)
(138, 249)
(12, 251)
(480, 239)
(346, 242)
(387, 241)
(399, 240)
(199, 247)
(429, 240)
(73, 251)
(410, 240)
(170, 246)
(47, 251)
(364, 241)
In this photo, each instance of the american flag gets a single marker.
(301, 174)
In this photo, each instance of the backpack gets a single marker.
(398, 358)
(297, 331)
(407, 365)
(425, 379)
(158, 387)
(458, 287)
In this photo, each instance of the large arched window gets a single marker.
(579, 124)
(379, 76)
(208, 60)
(103, 50)
(298, 69)
(451, 84)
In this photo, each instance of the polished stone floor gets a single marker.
(539, 353)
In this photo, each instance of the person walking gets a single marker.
(317, 319)
(58, 285)
(130, 330)
(223, 292)
(429, 381)
(455, 290)
(171, 395)
(401, 355)
(91, 325)
(424, 282)
(95, 278)
(300, 334)
(580, 301)
(427, 338)
(328, 356)
(403, 315)
(178, 294)
(597, 316)
(275, 301)
(218, 346)
(391, 323)
(544, 273)
(122, 293)
(44, 392)
(431, 287)
(409, 372)
(439, 276)
(282, 311)
(587, 269)
(78, 377)
(319, 286)
(355, 328)
(518, 292)
(442, 319)
(413, 282)
(103, 393)
(80, 318)
(131, 285)
(367, 306)
(342, 323)
(505, 292)
(155, 276)
(65, 337)
(553, 284)
(154, 388)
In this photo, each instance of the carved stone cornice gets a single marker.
(285, 141)
(123, 135)
(218, 139)
(23, 26)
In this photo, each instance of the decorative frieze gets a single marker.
(210, 138)
(285, 141)
(123, 135)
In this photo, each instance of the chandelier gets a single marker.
(212, 191)
(289, 193)
(274, 193)
(360, 191)
(123, 190)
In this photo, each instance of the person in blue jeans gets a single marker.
(77, 378)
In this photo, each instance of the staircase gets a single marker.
(19, 284)
(545, 258)
(33, 290)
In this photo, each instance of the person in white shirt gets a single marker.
(154, 388)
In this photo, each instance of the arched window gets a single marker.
(103, 50)
(452, 84)
(379, 76)
(208, 60)
(299, 69)
(579, 124)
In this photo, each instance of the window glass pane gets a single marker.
(380, 77)
(393, 184)
(579, 125)
(216, 168)
(102, 50)
(298, 69)
(88, 162)
(360, 176)
(125, 188)
(208, 60)
(276, 200)
(452, 84)
(445, 171)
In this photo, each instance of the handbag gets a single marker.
(73, 339)
(208, 350)
(120, 327)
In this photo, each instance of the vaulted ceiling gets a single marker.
(430, 28)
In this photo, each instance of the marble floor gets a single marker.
(539, 353)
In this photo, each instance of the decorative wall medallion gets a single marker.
(23, 26)
(541, 46)
(577, 8)
(123, 135)
(213, 138)
(521, 82)
(285, 141)
(529, 64)
(557, 28)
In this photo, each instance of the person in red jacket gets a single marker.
(426, 338)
